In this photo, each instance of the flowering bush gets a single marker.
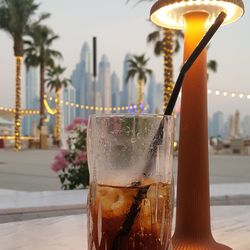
(71, 164)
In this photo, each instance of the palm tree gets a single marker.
(168, 45)
(56, 82)
(165, 46)
(15, 17)
(137, 66)
(39, 53)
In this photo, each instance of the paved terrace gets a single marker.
(29, 170)
(35, 213)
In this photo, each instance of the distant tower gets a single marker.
(129, 92)
(246, 126)
(82, 81)
(158, 98)
(237, 123)
(115, 90)
(210, 127)
(86, 57)
(151, 94)
(69, 112)
(218, 126)
(231, 127)
(31, 99)
(104, 81)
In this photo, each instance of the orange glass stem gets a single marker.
(193, 230)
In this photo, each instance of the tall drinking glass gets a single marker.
(130, 202)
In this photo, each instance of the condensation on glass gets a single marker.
(119, 150)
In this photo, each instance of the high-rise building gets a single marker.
(158, 98)
(227, 129)
(234, 125)
(82, 81)
(237, 124)
(115, 90)
(246, 126)
(218, 125)
(86, 56)
(231, 128)
(69, 112)
(129, 89)
(104, 81)
(210, 127)
(151, 94)
(31, 100)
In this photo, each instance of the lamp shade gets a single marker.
(169, 13)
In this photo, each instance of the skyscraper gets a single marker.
(69, 112)
(151, 94)
(129, 89)
(86, 56)
(218, 125)
(246, 126)
(82, 81)
(115, 90)
(158, 98)
(104, 81)
(31, 99)
(237, 124)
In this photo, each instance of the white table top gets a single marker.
(231, 226)
(19, 200)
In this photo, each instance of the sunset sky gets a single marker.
(122, 28)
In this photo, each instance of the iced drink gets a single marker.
(130, 199)
(109, 206)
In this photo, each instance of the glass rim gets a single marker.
(131, 115)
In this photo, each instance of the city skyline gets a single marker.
(109, 91)
(118, 95)
(128, 34)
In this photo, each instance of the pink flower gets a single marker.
(59, 162)
(64, 152)
(81, 121)
(77, 122)
(82, 157)
(70, 127)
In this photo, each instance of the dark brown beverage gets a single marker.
(108, 207)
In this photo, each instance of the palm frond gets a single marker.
(130, 75)
(137, 66)
(153, 36)
(158, 49)
(212, 65)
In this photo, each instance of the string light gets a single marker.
(118, 108)
(11, 137)
(49, 110)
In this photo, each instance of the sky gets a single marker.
(121, 28)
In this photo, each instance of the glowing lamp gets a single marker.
(169, 13)
(193, 229)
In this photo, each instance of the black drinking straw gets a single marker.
(135, 207)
